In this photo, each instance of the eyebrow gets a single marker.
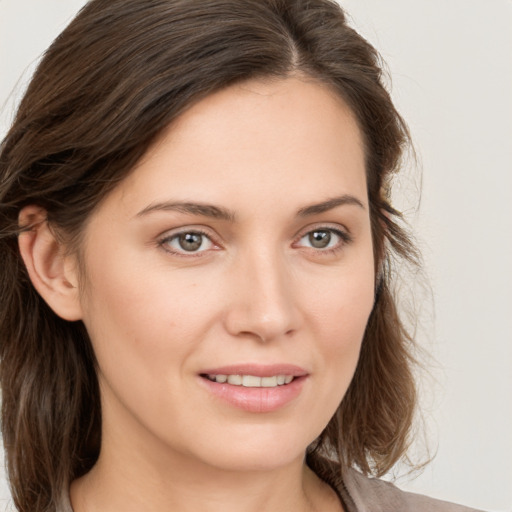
(202, 209)
(219, 212)
(330, 204)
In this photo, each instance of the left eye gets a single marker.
(322, 239)
(189, 241)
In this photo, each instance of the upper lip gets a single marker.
(258, 370)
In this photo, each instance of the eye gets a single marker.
(324, 239)
(187, 242)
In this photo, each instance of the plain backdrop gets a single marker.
(451, 68)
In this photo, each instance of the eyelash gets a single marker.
(344, 239)
(165, 241)
(344, 236)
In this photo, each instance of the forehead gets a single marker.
(267, 141)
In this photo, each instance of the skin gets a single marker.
(256, 291)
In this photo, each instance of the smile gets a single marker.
(252, 381)
(255, 388)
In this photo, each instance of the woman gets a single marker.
(197, 242)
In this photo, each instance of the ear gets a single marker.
(52, 272)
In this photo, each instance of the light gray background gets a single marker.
(451, 65)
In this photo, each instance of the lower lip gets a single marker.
(256, 399)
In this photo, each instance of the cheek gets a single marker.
(340, 303)
(141, 342)
(142, 318)
(121, 306)
(339, 316)
(344, 324)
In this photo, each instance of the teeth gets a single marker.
(269, 382)
(235, 380)
(252, 381)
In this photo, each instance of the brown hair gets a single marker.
(120, 73)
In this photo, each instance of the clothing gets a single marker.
(359, 493)
(362, 494)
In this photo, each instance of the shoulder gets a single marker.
(363, 494)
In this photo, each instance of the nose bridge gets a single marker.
(264, 303)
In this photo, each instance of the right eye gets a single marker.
(191, 242)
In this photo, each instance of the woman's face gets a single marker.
(237, 256)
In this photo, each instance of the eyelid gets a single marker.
(166, 236)
(327, 226)
(340, 231)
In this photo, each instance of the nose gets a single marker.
(263, 303)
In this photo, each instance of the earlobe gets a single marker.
(52, 272)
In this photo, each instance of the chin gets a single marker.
(261, 460)
(255, 451)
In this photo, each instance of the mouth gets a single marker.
(255, 388)
(251, 381)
